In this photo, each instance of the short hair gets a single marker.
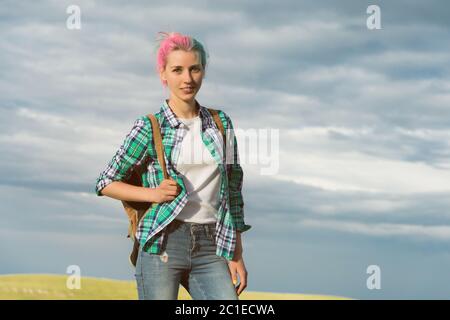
(171, 41)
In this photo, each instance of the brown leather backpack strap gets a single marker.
(217, 120)
(158, 144)
(219, 124)
(137, 215)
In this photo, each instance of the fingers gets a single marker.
(242, 277)
(170, 189)
(242, 285)
(171, 193)
(169, 184)
(243, 281)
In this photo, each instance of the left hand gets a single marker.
(237, 267)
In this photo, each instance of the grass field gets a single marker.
(51, 287)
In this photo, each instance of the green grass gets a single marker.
(51, 287)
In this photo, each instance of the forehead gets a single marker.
(182, 58)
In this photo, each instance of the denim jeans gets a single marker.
(189, 258)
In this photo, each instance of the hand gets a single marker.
(167, 190)
(238, 268)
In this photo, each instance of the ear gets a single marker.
(162, 75)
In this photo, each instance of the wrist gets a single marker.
(237, 253)
(238, 241)
(150, 194)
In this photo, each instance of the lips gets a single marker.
(188, 90)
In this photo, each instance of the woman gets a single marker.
(192, 236)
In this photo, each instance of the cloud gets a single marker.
(362, 115)
(439, 232)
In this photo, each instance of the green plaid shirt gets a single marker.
(138, 150)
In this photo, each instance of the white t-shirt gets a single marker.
(201, 176)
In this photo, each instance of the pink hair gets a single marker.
(171, 41)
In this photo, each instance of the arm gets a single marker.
(127, 192)
(235, 182)
(239, 247)
(131, 154)
(236, 175)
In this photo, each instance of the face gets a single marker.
(184, 74)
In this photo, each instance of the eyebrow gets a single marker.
(194, 65)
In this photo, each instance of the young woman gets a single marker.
(192, 236)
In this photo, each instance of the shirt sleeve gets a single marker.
(236, 176)
(130, 155)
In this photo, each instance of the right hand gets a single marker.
(167, 191)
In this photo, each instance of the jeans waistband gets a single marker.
(175, 224)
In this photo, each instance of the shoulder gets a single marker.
(142, 127)
(224, 117)
(144, 121)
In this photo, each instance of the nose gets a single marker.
(187, 79)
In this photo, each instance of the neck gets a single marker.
(183, 109)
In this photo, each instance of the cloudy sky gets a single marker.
(363, 118)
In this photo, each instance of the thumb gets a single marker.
(172, 179)
(234, 279)
(169, 180)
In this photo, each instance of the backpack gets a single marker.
(136, 210)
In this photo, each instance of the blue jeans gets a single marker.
(189, 258)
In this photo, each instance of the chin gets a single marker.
(188, 95)
(187, 98)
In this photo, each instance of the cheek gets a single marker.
(198, 78)
(173, 80)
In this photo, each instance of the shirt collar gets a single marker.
(174, 122)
